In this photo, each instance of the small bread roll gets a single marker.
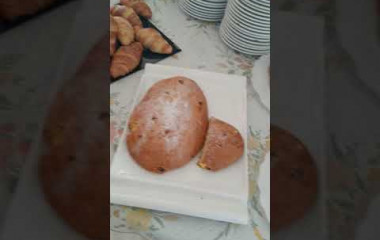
(224, 146)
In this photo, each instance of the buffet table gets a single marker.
(201, 49)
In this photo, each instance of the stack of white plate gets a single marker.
(206, 10)
(246, 26)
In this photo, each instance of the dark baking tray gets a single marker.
(148, 56)
(7, 25)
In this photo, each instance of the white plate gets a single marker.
(244, 33)
(189, 190)
(206, 19)
(257, 7)
(264, 3)
(229, 43)
(252, 11)
(233, 13)
(241, 49)
(261, 79)
(240, 36)
(203, 11)
(239, 39)
(197, 13)
(216, 5)
(253, 45)
(212, 6)
(248, 32)
(215, 1)
(240, 12)
(243, 38)
(200, 17)
(201, 4)
(246, 24)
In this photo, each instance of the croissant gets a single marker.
(140, 7)
(125, 34)
(127, 13)
(126, 59)
(113, 34)
(153, 40)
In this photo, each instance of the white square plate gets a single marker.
(189, 190)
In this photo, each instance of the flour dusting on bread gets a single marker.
(168, 127)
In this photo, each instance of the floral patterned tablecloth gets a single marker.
(348, 191)
(201, 49)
